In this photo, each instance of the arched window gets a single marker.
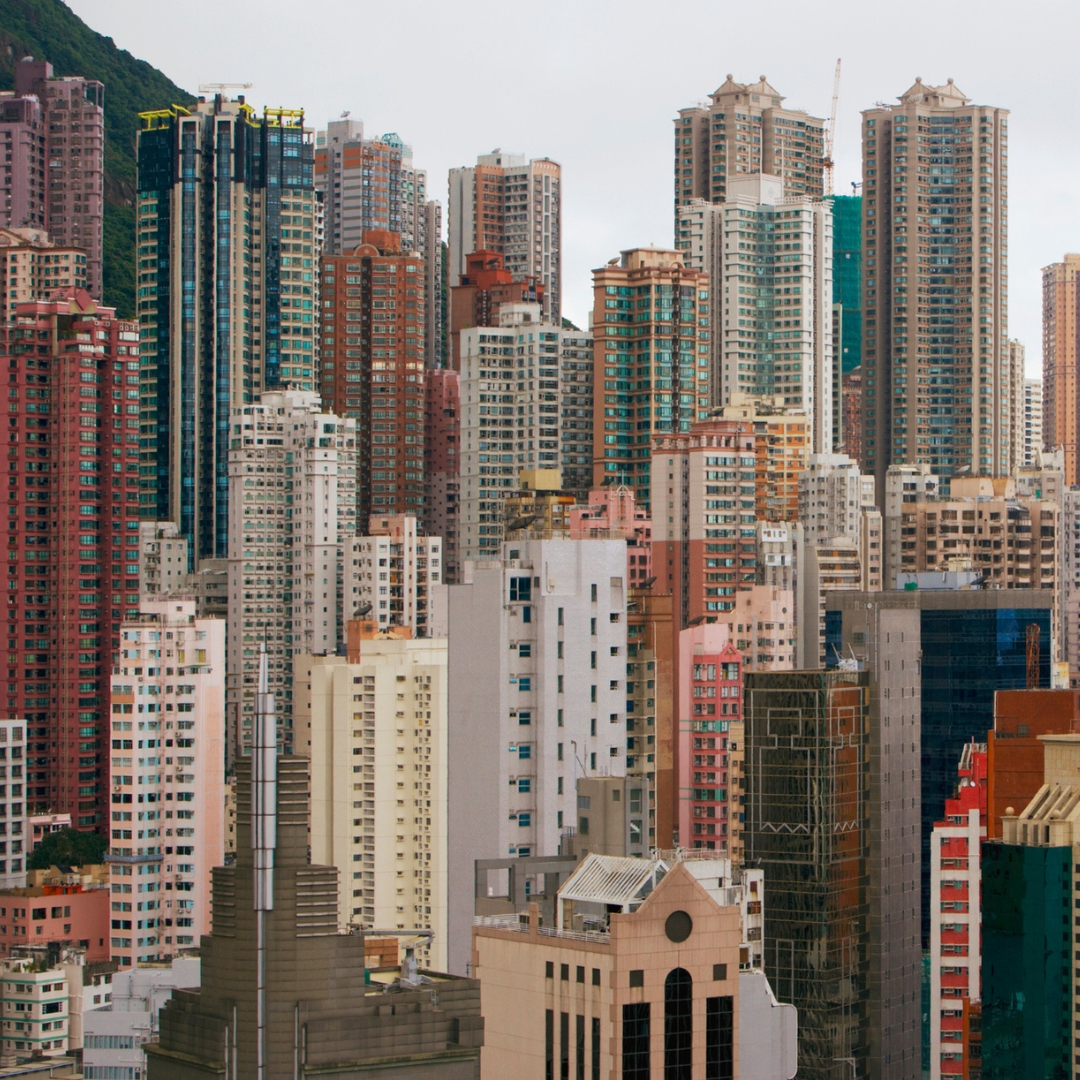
(678, 1025)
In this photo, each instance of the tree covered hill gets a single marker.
(50, 30)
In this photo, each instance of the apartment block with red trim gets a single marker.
(708, 740)
(956, 915)
(72, 537)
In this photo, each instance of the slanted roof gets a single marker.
(613, 880)
(1053, 802)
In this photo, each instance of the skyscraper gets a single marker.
(292, 479)
(372, 184)
(442, 439)
(772, 296)
(526, 402)
(1061, 362)
(57, 143)
(228, 292)
(506, 204)
(73, 536)
(935, 347)
(651, 360)
(31, 266)
(373, 366)
(746, 129)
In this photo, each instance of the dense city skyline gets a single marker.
(617, 169)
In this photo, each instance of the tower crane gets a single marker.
(830, 135)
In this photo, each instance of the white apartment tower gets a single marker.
(537, 688)
(15, 841)
(526, 402)
(292, 482)
(1033, 423)
(769, 259)
(507, 204)
(397, 572)
(167, 777)
(378, 783)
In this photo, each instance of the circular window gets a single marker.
(678, 926)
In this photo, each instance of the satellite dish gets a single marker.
(362, 610)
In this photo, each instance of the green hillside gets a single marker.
(50, 30)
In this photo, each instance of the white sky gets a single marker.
(595, 84)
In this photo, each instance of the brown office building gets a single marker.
(1061, 376)
(373, 366)
(935, 269)
(326, 1015)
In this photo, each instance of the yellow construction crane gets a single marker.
(221, 87)
(830, 134)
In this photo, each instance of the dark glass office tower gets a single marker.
(228, 240)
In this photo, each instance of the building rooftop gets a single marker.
(613, 880)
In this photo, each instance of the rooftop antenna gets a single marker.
(263, 840)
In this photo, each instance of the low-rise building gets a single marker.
(34, 1008)
(68, 906)
(41, 825)
(649, 961)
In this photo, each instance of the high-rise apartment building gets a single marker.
(223, 314)
(53, 128)
(393, 575)
(851, 405)
(935, 348)
(373, 366)
(1033, 423)
(33, 266)
(708, 740)
(745, 129)
(480, 293)
(847, 268)
(442, 478)
(167, 778)
(292, 475)
(369, 184)
(378, 782)
(1068, 601)
(537, 699)
(512, 206)
(163, 559)
(769, 260)
(651, 360)
(955, 915)
(15, 839)
(1061, 361)
(526, 403)
(73, 555)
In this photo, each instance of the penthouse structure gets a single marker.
(744, 128)
(73, 555)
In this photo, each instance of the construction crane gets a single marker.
(830, 134)
(221, 87)
(1033, 656)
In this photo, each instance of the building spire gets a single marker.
(263, 837)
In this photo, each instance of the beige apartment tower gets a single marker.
(745, 129)
(1061, 387)
(936, 349)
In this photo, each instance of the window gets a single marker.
(524, 716)
(719, 972)
(637, 977)
(520, 588)
(549, 1045)
(635, 1040)
(579, 1033)
(596, 1036)
(719, 1055)
(678, 1025)
(524, 820)
(524, 683)
(525, 649)
(524, 785)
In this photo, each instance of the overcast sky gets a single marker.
(595, 84)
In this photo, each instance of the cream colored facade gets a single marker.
(32, 266)
(168, 733)
(769, 259)
(163, 559)
(571, 996)
(377, 726)
(935, 364)
(397, 572)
